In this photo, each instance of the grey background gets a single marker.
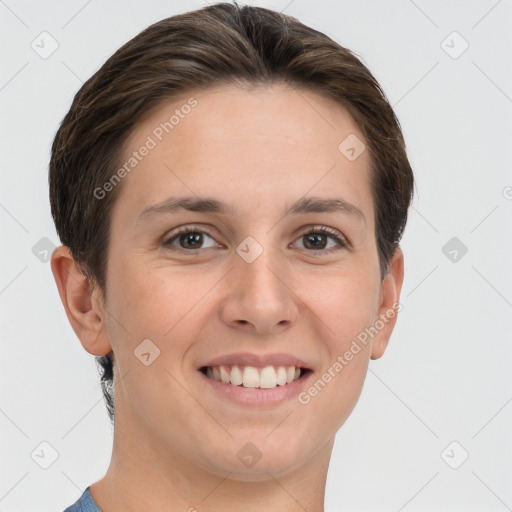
(446, 374)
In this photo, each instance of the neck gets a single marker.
(144, 475)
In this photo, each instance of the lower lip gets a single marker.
(258, 396)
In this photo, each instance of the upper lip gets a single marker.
(251, 359)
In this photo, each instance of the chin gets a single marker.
(252, 461)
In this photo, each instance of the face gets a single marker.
(279, 268)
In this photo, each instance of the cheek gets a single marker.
(346, 308)
(334, 393)
(345, 301)
(150, 304)
(155, 303)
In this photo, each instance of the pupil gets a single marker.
(193, 238)
(313, 237)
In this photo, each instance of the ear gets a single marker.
(83, 302)
(388, 303)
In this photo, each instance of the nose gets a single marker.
(259, 296)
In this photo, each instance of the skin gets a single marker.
(175, 439)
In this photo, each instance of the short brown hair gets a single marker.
(219, 44)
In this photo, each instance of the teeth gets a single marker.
(224, 375)
(252, 377)
(236, 376)
(281, 376)
(268, 377)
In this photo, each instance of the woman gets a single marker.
(230, 190)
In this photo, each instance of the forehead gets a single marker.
(229, 139)
(224, 110)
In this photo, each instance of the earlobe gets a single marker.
(389, 303)
(81, 301)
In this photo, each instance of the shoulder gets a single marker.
(84, 504)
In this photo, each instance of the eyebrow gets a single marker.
(211, 205)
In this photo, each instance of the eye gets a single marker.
(316, 239)
(189, 238)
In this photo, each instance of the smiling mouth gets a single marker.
(246, 376)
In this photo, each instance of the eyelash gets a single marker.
(336, 235)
